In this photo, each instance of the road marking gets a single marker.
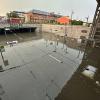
(56, 59)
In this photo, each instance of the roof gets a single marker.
(40, 12)
(45, 13)
(19, 11)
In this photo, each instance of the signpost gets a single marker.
(2, 49)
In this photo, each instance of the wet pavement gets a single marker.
(38, 67)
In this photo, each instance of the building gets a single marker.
(20, 17)
(3, 22)
(37, 16)
(3, 19)
(20, 13)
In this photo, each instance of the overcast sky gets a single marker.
(81, 8)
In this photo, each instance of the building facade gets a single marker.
(37, 16)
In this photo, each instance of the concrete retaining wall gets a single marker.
(72, 31)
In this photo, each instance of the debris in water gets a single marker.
(89, 71)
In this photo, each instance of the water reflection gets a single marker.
(58, 66)
(20, 37)
(49, 37)
(54, 40)
(66, 41)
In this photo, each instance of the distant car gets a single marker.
(12, 42)
(15, 42)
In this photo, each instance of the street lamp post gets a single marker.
(6, 29)
(72, 16)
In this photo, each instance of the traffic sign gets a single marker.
(2, 49)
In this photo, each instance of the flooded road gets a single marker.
(42, 65)
(20, 37)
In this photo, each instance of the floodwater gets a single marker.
(20, 37)
(44, 66)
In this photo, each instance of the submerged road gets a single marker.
(35, 72)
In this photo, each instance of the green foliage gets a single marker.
(52, 21)
(75, 22)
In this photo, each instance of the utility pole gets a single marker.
(71, 21)
(87, 19)
(71, 16)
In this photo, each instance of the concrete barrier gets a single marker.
(71, 31)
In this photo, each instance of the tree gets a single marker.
(75, 22)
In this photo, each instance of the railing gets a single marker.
(95, 24)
